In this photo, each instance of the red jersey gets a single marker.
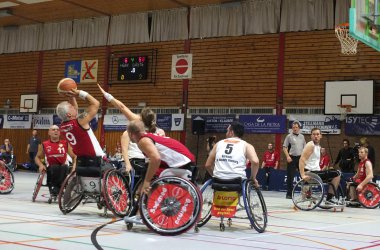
(173, 153)
(325, 161)
(361, 171)
(83, 141)
(55, 152)
(270, 158)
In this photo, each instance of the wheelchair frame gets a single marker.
(6, 179)
(250, 194)
(40, 183)
(110, 191)
(307, 195)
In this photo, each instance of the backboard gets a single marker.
(29, 103)
(358, 94)
(365, 22)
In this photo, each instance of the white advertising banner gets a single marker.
(42, 121)
(115, 122)
(17, 121)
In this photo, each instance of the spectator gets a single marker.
(210, 143)
(346, 158)
(6, 151)
(371, 151)
(32, 149)
(324, 163)
(292, 147)
(270, 162)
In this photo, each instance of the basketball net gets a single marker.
(348, 43)
(344, 110)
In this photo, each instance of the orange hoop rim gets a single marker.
(348, 107)
(342, 26)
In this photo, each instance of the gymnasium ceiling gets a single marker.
(24, 12)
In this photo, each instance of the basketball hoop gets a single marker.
(347, 42)
(344, 110)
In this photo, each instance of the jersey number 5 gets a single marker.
(229, 149)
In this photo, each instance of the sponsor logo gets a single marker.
(177, 121)
(115, 119)
(158, 200)
(183, 211)
(23, 118)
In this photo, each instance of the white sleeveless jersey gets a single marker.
(312, 164)
(230, 159)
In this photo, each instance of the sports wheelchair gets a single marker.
(307, 195)
(95, 180)
(172, 206)
(225, 198)
(369, 197)
(6, 179)
(51, 178)
(9, 160)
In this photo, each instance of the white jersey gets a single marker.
(230, 159)
(134, 151)
(312, 164)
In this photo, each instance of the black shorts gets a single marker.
(327, 175)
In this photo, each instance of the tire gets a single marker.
(6, 179)
(38, 185)
(207, 198)
(255, 206)
(308, 195)
(172, 207)
(369, 197)
(71, 193)
(116, 193)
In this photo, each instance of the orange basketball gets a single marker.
(66, 84)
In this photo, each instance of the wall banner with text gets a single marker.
(115, 123)
(216, 123)
(363, 125)
(264, 124)
(328, 124)
(171, 122)
(17, 121)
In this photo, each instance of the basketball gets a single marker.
(65, 85)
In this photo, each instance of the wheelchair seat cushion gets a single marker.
(227, 184)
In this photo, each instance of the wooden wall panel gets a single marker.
(311, 58)
(238, 71)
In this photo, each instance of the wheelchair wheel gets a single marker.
(38, 185)
(207, 194)
(369, 197)
(71, 194)
(6, 179)
(172, 207)
(255, 206)
(307, 195)
(116, 192)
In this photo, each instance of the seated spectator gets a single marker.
(6, 151)
(324, 163)
(362, 177)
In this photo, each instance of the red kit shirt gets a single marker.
(173, 153)
(55, 152)
(325, 161)
(83, 141)
(270, 158)
(361, 172)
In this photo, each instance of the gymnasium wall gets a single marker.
(228, 71)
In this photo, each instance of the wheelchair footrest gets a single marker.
(133, 220)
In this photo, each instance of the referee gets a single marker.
(292, 147)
